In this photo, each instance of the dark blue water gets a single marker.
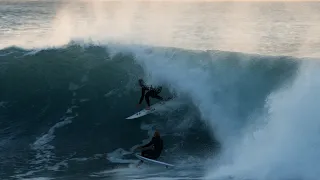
(63, 110)
(68, 80)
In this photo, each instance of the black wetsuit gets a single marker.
(152, 92)
(155, 153)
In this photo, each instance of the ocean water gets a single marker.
(246, 76)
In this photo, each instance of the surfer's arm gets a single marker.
(147, 148)
(150, 143)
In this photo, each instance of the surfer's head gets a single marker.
(156, 134)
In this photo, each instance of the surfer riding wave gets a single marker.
(153, 149)
(151, 92)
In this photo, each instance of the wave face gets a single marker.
(63, 112)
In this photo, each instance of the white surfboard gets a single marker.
(152, 109)
(153, 161)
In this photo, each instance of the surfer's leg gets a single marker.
(146, 153)
(150, 154)
(155, 94)
(148, 94)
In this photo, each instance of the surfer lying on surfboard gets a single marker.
(151, 92)
(153, 149)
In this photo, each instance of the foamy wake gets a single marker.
(288, 146)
